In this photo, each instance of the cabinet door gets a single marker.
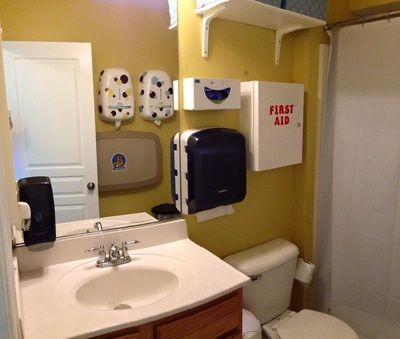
(223, 320)
(130, 336)
(278, 125)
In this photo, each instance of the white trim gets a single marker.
(9, 320)
(8, 306)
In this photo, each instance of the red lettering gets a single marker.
(287, 109)
(281, 109)
(271, 110)
(281, 120)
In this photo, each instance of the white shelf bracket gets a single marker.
(206, 20)
(280, 33)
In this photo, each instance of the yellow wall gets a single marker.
(242, 52)
(338, 10)
(374, 6)
(279, 202)
(124, 33)
(6, 151)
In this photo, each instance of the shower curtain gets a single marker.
(358, 207)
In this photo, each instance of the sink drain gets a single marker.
(122, 307)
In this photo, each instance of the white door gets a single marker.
(49, 89)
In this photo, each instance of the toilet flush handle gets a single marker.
(256, 277)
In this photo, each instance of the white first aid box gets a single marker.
(271, 119)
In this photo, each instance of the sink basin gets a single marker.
(147, 279)
(64, 295)
(126, 288)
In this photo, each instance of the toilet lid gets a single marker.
(309, 324)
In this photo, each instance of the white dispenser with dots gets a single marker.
(116, 101)
(156, 96)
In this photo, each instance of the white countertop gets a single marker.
(47, 315)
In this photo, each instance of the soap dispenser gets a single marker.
(38, 194)
(116, 101)
(156, 100)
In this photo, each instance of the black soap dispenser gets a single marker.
(38, 194)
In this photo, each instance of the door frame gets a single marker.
(9, 319)
(9, 315)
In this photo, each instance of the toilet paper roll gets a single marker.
(214, 213)
(304, 271)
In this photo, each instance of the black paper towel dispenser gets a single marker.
(212, 169)
(38, 194)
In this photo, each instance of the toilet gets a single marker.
(271, 267)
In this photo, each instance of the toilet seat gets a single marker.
(309, 324)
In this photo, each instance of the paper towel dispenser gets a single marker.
(212, 169)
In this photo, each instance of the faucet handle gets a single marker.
(130, 242)
(125, 245)
(98, 225)
(102, 254)
(93, 249)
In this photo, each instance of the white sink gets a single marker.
(64, 294)
(147, 279)
(123, 289)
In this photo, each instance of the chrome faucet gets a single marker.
(117, 255)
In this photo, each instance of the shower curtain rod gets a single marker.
(363, 20)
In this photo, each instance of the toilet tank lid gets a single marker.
(264, 257)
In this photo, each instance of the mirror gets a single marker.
(129, 34)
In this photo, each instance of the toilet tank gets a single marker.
(271, 266)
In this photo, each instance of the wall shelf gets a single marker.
(255, 13)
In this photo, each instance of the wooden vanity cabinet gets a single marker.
(218, 319)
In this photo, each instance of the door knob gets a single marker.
(91, 186)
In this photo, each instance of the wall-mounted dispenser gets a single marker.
(38, 194)
(116, 102)
(156, 96)
(210, 94)
(175, 154)
(271, 119)
(212, 169)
